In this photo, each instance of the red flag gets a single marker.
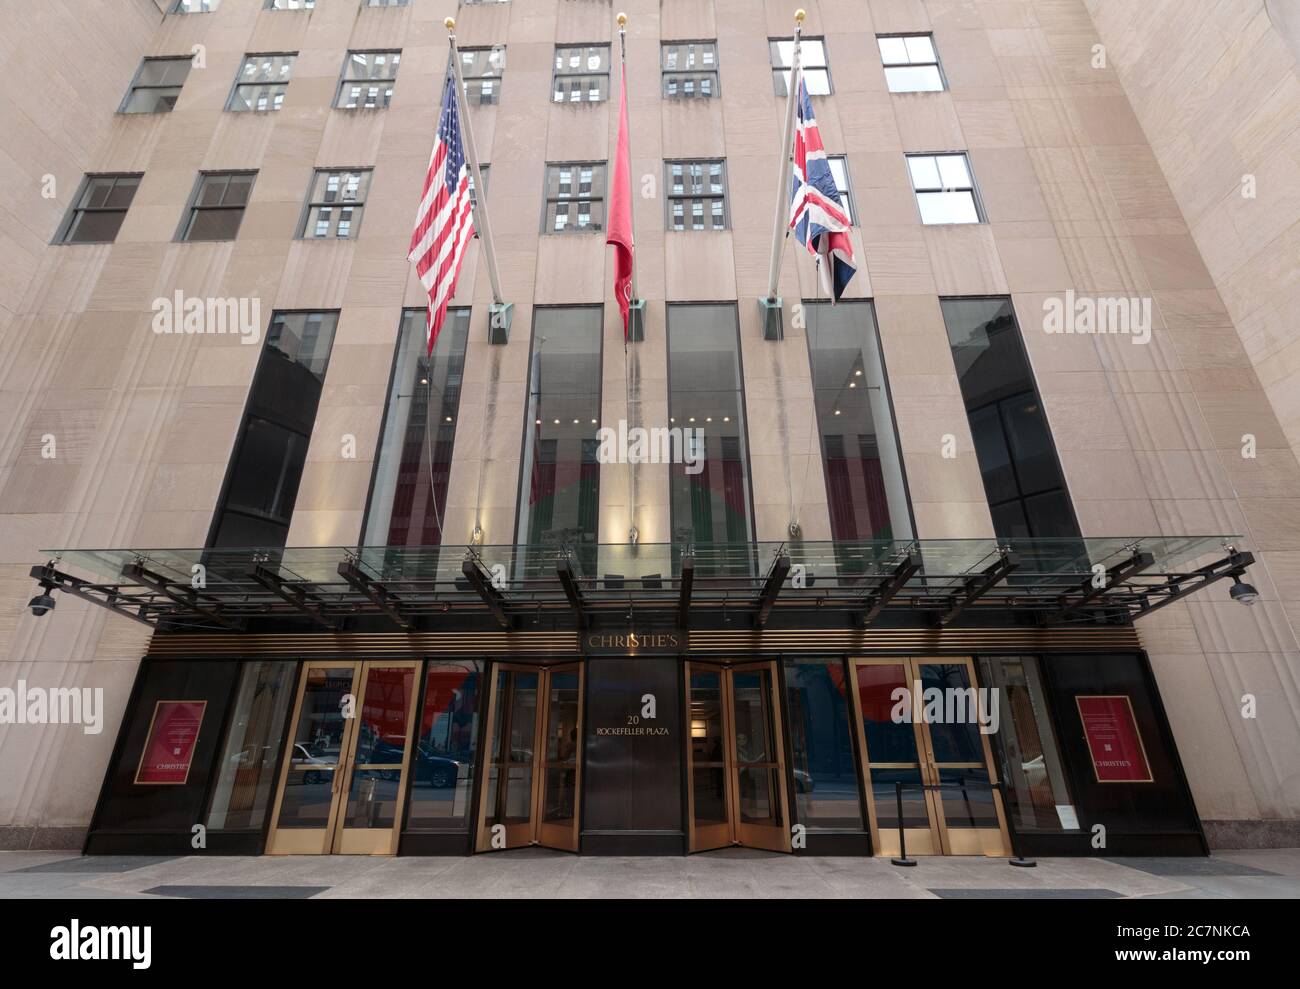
(620, 210)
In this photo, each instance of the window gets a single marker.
(99, 209)
(826, 788)
(335, 203)
(271, 449)
(690, 69)
(697, 195)
(1013, 442)
(559, 481)
(812, 61)
(289, 5)
(839, 166)
(261, 83)
(945, 191)
(911, 64)
(368, 80)
(575, 197)
(1036, 786)
(447, 757)
(157, 85)
(711, 507)
(481, 70)
(217, 206)
(865, 490)
(195, 6)
(473, 193)
(384, 3)
(420, 419)
(581, 74)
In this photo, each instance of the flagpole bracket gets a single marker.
(770, 311)
(636, 321)
(500, 315)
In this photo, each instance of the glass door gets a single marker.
(345, 767)
(531, 792)
(736, 759)
(918, 725)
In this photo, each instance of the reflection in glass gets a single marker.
(756, 771)
(442, 774)
(317, 749)
(254, 739)
(510, 777)
(825, 777)
(707, 747)
(561, 752)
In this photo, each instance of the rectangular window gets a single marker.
(945, 190)
(697, 195)
(217, 207)
(711, 504)
(581, 74)
(157, 85)
(271, 450)
(195, 6)
(99, 209)
(481, 70)
(446, 756)
(1036, 785)
(245, 775)
(335, 203)
(575, 197)
(368, 80)
(473, 193)
(385, 3)
(559, 483)
(812, 62)
(289, 5)
(839, 166)
(261, 83)
(865, 487)
(414, 463)
(690, 69)
(1013, 442)
(825, 776)
(911, 63)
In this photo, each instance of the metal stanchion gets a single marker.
(902, 858)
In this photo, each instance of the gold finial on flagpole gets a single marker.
(800, 14)
(450, 24)
(622, 19)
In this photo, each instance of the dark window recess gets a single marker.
(826, 788)
(100, 209)
(446, 753)
(414, 463)
(1013, 442)
(267, 465)
(217, 209)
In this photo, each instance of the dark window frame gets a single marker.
(779, 70)
(548, 200)
(358, 207)
(344, 80)
(973, 188)
(473, 90)
(280, 87)
(193, 207)
(75, 211)
(559, 72)
(680, 73)
(671, 197)
(937, 63)
(137, 85)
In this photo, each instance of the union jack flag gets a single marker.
(444, 224)
(816, 212)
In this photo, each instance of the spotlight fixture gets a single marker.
(633, 535)
(476, 537)
(1243, 592)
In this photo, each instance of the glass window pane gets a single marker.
(913, 79)
(446, 757)
(825, 774)
(245, 775)
(892, 50)
(215, 224)
(924, 171)
(95, 227)
(920, 49)
(953, 172)
(211, 189)
(947, 207)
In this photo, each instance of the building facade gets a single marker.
(957, 563)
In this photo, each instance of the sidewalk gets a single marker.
(743, 873)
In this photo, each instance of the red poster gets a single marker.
(169, 746)
(1113, 739)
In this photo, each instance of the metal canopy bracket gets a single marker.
(1180, 586)
(482, 584)
(301, 599)
(771, 588)
(183, 594)
(885, 593)
(1089, 591)
(979, 585)
(564, 570)
(375, 592)
(110, 598)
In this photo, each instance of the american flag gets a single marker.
(444, 225)
(816, 212)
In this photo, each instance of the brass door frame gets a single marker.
(534, 831)
(774, 838)
(334, 838)
(937, 838)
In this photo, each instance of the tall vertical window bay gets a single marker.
(1022, 477)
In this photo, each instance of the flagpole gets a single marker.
(780, 222)
(481, 223)
(622, 65)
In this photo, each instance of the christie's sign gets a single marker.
(633, 643)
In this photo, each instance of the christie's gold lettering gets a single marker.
(633, 640)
